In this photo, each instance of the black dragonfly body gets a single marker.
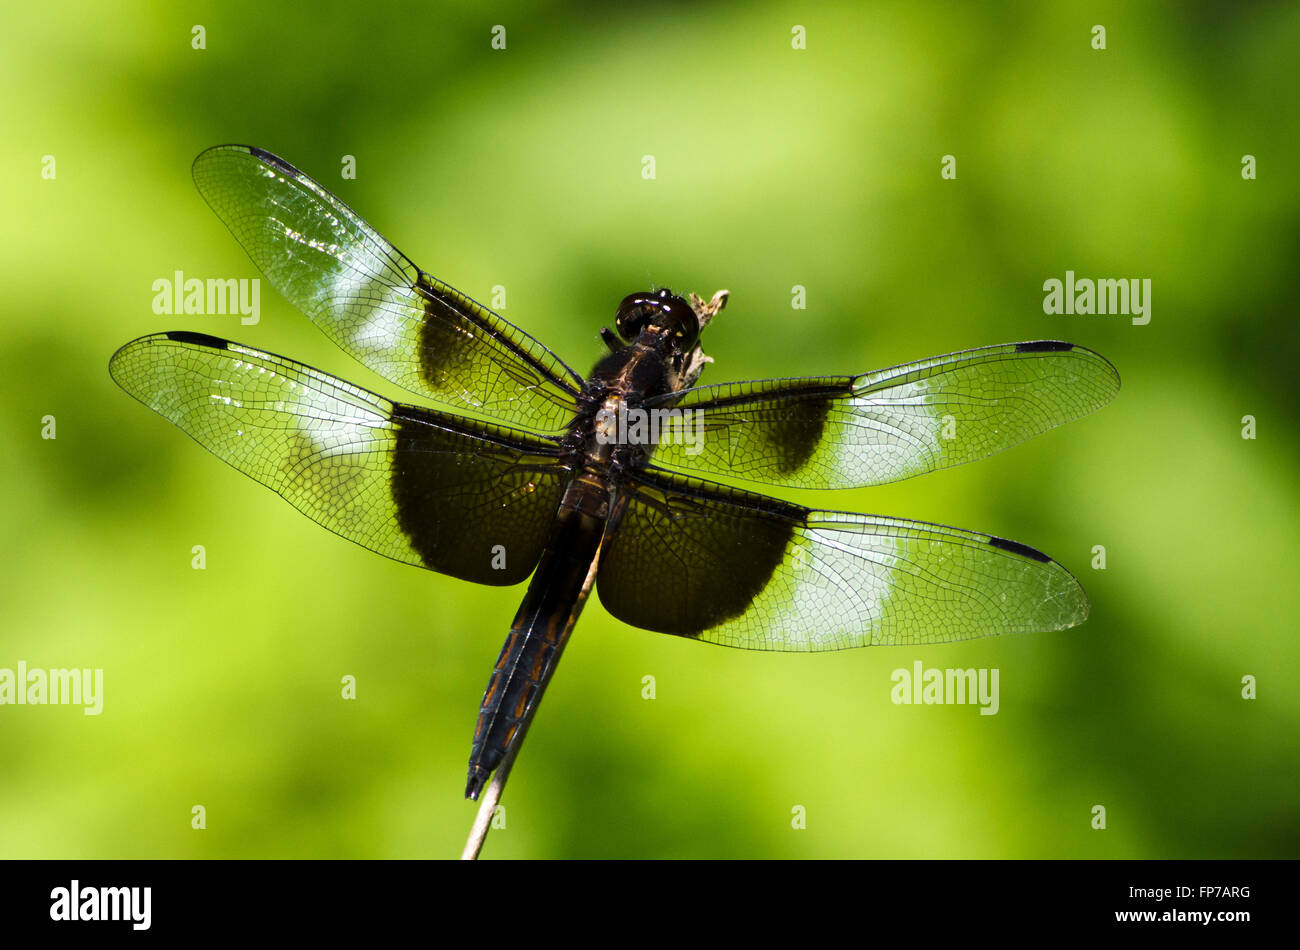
(563, 488)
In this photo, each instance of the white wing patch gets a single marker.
(911, 425)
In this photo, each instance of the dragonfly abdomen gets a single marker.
(537, 636)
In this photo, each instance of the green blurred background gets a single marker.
(775, 167)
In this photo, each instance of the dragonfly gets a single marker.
(607, 480)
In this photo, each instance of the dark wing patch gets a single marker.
(474, 502)
(683, 562)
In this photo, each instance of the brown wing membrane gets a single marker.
(850, 431)
(468, 499)
(370, 299)
(726, 566)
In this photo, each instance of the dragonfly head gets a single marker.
(660, 309)
(674, 321)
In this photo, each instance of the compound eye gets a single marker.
(679, 316)
(634, 312)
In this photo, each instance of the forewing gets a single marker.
(851, 431)
(376, 304)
